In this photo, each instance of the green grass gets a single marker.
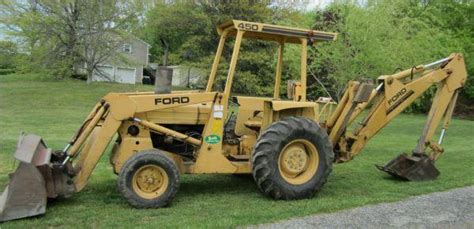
(54, 109)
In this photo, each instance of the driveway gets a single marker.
(450, 209)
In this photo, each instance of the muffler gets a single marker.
(34, 181)
(417, 167)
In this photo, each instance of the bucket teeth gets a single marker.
(412, 168)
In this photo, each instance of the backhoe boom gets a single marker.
(393, 95)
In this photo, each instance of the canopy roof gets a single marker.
(273, 32)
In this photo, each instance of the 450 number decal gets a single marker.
(248, 26)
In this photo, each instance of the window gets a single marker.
(127, 48)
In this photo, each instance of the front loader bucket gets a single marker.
(412, 168)
(26, 194)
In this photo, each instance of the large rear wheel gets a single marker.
(149, 179)
(292, 159)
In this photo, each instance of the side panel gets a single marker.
(276, 110)
(127, 145)
(210, 158)
(250, 109)
(194, 114)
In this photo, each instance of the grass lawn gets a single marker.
(55, 109)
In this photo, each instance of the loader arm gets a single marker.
(393, 94)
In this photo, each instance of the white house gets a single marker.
(128, 68)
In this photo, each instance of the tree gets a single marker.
(177, 24)
(454, 17)
(189, 30)
(60, 34)
(103, 27)
(375, 38)
(8, 54)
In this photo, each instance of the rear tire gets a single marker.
(149, 179)
(292, 159)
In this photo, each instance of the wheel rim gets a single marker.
(150, 181)
(298, 161)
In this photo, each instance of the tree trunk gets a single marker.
(89, 75)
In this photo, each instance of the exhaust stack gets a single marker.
(164, 76)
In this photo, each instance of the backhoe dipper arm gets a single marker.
(394, 94)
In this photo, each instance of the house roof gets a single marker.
(274, 32)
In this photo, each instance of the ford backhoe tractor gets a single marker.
(288, 143)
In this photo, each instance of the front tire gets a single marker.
(149, 179)
(292, 159)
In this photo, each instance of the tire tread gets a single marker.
(268, 144)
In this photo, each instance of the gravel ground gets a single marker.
(450, 209)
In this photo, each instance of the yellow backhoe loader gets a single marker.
(286, 144)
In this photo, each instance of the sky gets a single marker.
(312, 4)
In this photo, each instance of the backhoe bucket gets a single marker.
(26, 193)
(412, 168)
